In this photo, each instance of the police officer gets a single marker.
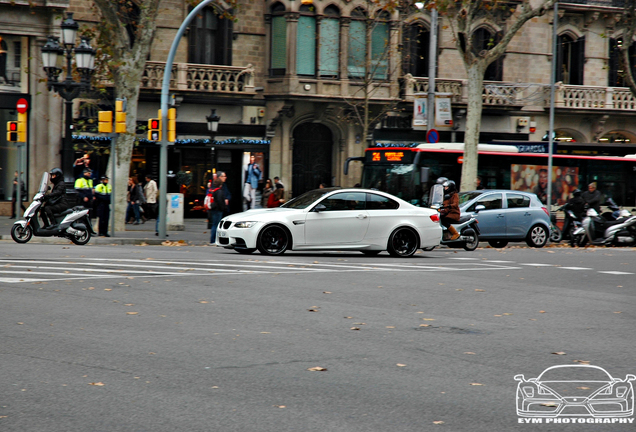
(84, 187)
(102, 197)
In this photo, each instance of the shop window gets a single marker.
(210, 39)
(278, 61)
(616, 68)
(306, 43)
(416, 46)
(570, 60)
(329, 41)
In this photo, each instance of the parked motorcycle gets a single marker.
(597, 230)
(72, 224)
(466, 226)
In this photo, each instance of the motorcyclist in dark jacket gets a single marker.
(577, 205)
(593, 197)
(54, 201)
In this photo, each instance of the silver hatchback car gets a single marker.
(508, 216)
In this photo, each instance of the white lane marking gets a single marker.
(575, 268)
(16, 280)
(616, 272)
(538, 265)
(500, 262)
(145, 263)
(462, 258)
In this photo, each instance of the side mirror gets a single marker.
(519, 377)
(319, 208)
(479, 208)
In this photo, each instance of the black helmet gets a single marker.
(576, 192)
(58, 174)
(450, 185)
(441, 180)
(87, 170)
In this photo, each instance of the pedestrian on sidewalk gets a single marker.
(252, 176)
(218, 206)
(150, 192)
(23, 195)
(135, 198)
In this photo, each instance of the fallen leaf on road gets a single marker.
(582, 361)
(129, 304)
(438, 422)
(476, 384)
(354, 328)
(390, 326)
(108, 289)
(280, 406)
(348, 317)
(317, 369)
(468, 352)
(326, 292)
(132, 313)
(203, 301)
(425, 325)
(583, 388)
(400, 365)
(312, 310)
(559, 353)
(541, 311)
(266, 332)
(428, 319)
(480, 290)
(99, 384)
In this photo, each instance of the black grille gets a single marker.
(224, 240)
(227, 224)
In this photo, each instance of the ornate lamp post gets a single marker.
(68, 89)
(213, 122)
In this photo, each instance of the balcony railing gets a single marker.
(536, 95)
(200, 78)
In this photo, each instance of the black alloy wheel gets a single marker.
(273, 240)
(403, 243)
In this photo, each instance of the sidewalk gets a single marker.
(196, 233)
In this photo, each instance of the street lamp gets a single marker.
(213, 122)
(68, 89)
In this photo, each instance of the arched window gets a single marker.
(329, 42)
(483, 39)
(306, 43)
(356, 58)
(416, 46)
(278, 61)
(570, 59)
(616, 72)
(210, 39)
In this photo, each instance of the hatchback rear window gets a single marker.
(517, 201)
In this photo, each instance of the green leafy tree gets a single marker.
(464, 17)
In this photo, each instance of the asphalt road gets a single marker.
(133, 338)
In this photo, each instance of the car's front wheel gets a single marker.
(403, 242)
(273, 240)
(537, 236)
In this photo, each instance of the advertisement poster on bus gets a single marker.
(534, 179)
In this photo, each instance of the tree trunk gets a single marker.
(473, 123)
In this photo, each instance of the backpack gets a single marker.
(209, 199)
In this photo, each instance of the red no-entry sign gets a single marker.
(22, 105)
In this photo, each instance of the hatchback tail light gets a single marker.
(546, 211)
(435, 218)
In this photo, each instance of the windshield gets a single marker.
(44, 183)
(464, 197)
(305, 200)
(400, 180)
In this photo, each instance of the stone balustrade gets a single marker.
(536, 95)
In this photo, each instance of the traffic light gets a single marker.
(105, 124)
(120, 117)
(172, 124)
(154, 129)
(22, 127)
(12, 131)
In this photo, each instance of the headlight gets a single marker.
(244, 224)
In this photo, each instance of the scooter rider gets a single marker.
(577, 204)
(450, 212)
(54, 201)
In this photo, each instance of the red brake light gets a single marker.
(435, 218)
(546, 211)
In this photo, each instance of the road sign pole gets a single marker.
(165, 89)
(112, 182)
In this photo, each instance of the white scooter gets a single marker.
(598, 231)
(72, 224)
(466, 226)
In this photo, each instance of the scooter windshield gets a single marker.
(437, 195)
(44, 183)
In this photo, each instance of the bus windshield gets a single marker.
(401, 180)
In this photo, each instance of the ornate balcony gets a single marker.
(189, 77)
(536, 95)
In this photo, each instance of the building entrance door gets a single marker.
(313, 145)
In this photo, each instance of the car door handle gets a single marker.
(527, 214)
(500, 215)
(361, 216)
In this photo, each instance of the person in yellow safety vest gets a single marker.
(102, 196)
(84, 187)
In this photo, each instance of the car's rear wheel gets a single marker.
(537, 236)
(498, 243)
(245, 251)
(273, 240)
(371, 253)
(403, 242)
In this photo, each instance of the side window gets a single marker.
(490, 201)
(345, 201)
(517, 200)
(378, 202)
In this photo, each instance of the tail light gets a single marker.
(546, 211)
(435, 218)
